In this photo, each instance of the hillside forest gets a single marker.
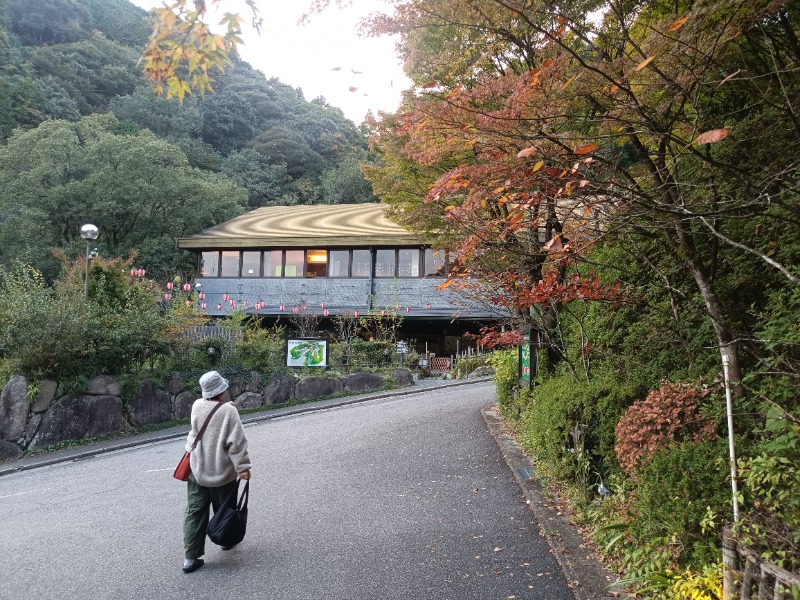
(83, 139)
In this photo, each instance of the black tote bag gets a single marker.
(229, 524)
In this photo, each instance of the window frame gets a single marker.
(238, 268)
(370, 254)
(258, 274)
(308, 263)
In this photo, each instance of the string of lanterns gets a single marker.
(257, 306)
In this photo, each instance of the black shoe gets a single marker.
(230, 547)
(196, 564)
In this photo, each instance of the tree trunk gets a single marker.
(728, 346)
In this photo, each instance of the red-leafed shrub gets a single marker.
(668, 416)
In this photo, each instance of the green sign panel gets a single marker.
(525, 359)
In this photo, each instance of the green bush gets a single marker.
(506, 369)
(262, 349)
(360, 355)
(771, 481)
(560, 405)
(675, 493)
(54, 331)
(468, 364)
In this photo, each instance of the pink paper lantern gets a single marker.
(295, 310)
(428, 305)
(186, 287)
(226, 297)
(408, 310)
(281, 307)
(323, 306)
(203, 306)
(169, 285)
(202, 296)
(167, 296)
(232, 302)
(355, 313)
(141, 273)
(383, 312)
(188, 303)
(134, 272)
(326, 313)
(219, 306)
(303, 307)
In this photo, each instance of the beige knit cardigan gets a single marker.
(221, 453)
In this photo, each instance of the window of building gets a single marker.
(209, 264)
(362, 263)
(408, 262)
(385, 262)
(230, 263)
(316, 263)
(435, 263)
(273, 263)
(388, 262)
(339, 263)
(293, 267)
(251, 264)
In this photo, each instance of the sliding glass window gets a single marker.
(385, 263)
(362, 263)
(339, 263)
(251, 264)
(435, 263)
(408, 262)
(273, 263)
(209, 264)
(316, 263)
(230, 264)
(293, 267)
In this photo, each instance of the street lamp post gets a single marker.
(88, 232)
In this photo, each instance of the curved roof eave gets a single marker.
(327, 225)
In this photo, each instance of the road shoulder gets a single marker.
(585, 574)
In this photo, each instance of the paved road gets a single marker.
(396, 498)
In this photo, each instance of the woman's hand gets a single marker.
(245, 475)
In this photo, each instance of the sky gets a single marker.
(325, 57)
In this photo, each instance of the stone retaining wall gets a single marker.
(35, 423)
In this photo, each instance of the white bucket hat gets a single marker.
(213, 384)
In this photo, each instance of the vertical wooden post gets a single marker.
(729, 565)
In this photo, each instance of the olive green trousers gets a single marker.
(198, 501)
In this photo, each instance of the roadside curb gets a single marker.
(585, 575)
(91, 450)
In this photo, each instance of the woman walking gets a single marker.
(218, 461)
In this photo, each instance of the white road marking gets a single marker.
(23, 493)
(157, 470)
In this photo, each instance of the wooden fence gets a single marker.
(201, 332)
(747, 577)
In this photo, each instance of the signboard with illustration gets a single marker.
(307, 352)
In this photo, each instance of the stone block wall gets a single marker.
(34, 423)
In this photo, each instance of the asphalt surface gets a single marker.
(400, 495)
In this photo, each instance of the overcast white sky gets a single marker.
(325, 57)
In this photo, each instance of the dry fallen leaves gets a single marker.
(586, 148)
(712, 136)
